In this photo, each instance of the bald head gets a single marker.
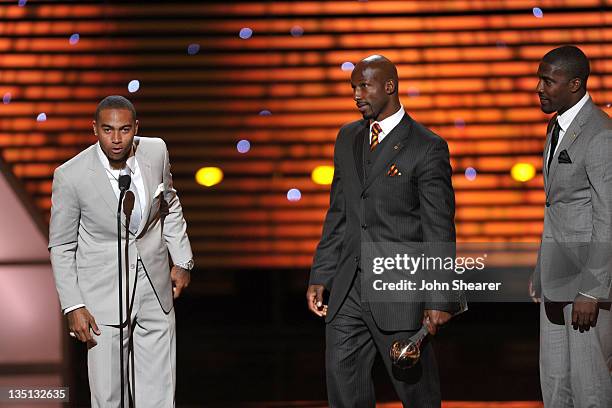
(375, 87)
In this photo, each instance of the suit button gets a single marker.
(357, 259)
(368, 161)
(364, 226)
(547, 204)
(364, 196)
(132, 266)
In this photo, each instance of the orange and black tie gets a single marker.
(376, 129)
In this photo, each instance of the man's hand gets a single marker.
(434, 319)
(180, 279)
(314, 297)
(584, 313)
(532, 292)
(79, 322)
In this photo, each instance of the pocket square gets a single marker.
(564, 157)
(160, 189)
(393, 171)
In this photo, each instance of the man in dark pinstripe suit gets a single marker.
(392, 183)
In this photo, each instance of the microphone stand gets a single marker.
(124, 184)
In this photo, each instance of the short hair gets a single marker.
(572, 60)
(115, 102)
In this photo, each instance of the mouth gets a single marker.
(117, 150)
(362, 106)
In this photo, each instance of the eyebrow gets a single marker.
(120, 127)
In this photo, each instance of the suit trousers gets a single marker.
(575, 368)
(149, 354)
(352, 343)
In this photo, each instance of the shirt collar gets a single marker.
(130, 163)
(567, 117)
(389, 123)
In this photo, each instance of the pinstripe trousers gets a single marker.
(575, 368)
(352, 342)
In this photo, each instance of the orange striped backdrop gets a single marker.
(467, 70)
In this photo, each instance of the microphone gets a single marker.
(124, 181)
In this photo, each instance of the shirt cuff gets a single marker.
(589, 296)
(185, 265)
(71, 308)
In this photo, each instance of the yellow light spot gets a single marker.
(209, 176)
(323, 175)
(522, 172)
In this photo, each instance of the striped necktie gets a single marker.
(376, 129)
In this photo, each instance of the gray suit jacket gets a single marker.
(83, 231)
(576, 250)
(417, 207)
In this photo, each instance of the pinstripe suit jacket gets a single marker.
(419, 206)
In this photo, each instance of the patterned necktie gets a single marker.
(554, 140)
(376, 129)
(136, 215)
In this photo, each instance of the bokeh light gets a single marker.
(297, 31)
(74, 39)
(6, 99)
(459, 123)
(265, 112)
(323, 175)
(134, 85)
(294, 195)
(42, 117)
(245, 33)
(413, 92)
(209, 176)
(538, 12)
(243, 146)
(22, 3)
(471, 173)
(523, 172)
(347, 66)
(193, 49)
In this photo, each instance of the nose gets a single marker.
(116, 137)
(356, 94)
(539, 86)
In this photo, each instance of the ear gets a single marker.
(575, 84)
(390, 87)
(136, 127)
(93, 126)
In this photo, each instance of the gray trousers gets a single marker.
(352, 342)
(575, 368)
(150, 359)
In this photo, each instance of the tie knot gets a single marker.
(376, 129)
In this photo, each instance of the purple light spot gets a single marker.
(297, 31)
(42, 117)
(245, 33)
(6, 99)
(134, 85)
(74, 39)
(265, 112)
(22, 3)
(470, 173)
(459, 123)
(347, 66)
(294, 195)
(193, 49)
(501, 44)
(413, 92)
(243, 146)
(538, 12)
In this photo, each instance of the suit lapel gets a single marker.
(391, 145)
(570, 136)
(99, 179)
(358, 141)
(144, 164)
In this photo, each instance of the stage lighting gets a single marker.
(323, 175)
(522, 172)
(209, 176)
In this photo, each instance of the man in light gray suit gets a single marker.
(572, 275)
(83, 245)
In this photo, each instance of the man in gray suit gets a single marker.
(392, 184)
(572, 275)
(83, 245)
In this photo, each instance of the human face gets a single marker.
(115, 129)
(555, 90)
(369, 92)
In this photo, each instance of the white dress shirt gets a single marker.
(565, 120)
(388, 124)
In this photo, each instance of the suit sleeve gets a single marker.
(328, 251)
(175, 227)
(437, 212)
(63, 238)
(596, 273)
